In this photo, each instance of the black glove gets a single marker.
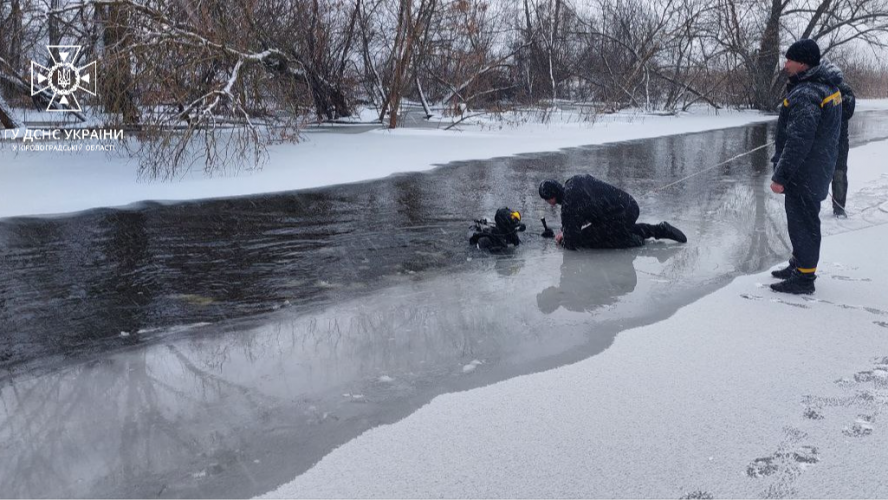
(548, 233)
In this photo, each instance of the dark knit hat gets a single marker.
(804, 51)
(551, 189)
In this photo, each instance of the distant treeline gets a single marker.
(195, 66)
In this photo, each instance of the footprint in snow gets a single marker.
(777, 300)
(766, 466)
(863, 426)
(812, 300)
(812, 414)
(848, 278)
(698, 495)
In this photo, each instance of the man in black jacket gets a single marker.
(840, 178)
(807, 149)
(595, 214)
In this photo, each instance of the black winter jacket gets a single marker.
(808, 132)
(589, 201)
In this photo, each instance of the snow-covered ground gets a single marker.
(33, 183)
(871, 104)
(745, 393)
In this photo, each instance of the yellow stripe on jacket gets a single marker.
(836, 99)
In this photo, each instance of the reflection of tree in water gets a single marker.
(144, 422)
(45, 270)
(122, 285)
(130, 425)
(761, 253)
(739, 212)
(735, 222)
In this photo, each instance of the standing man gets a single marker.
(595, 214)
(840, 179)
(807, 150)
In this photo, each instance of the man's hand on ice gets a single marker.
(559, 238)
(777, 188)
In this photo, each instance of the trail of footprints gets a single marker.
(795, 454)
(806, 300)
(868, 395)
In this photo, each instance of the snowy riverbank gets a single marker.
(744, 393)
(33, 183)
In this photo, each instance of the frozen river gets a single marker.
(219, 348)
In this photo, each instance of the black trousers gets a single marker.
(620, 232)
(803, 222)
(840, 178)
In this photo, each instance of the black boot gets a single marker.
(667, 231)
(786, 272)
(798, 284)
(839, 213)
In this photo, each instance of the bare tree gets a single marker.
(757, 43)
(323, 49)
(202, 74)
(7, 118)
(623, 42)
(543, 25)
(410, 31)
(11, 24)
(470, 58)
(866, 74)
(117, 78)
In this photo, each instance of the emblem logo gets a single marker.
(64, 78)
